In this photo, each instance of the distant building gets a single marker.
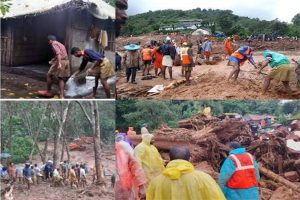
(191, 24)
(262, 120)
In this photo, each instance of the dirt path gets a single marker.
(45, 190)
(212, 83)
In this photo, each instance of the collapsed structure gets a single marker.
(207, 140)
(80, 23)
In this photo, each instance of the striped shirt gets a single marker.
(59, 49)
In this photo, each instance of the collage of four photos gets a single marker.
(150, 100)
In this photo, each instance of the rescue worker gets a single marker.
(168, 51)
(131, 61)
(130, 178)
(157, 57)
(149, 157)
(281, 69)
(180, 181)
(57, 178)
(144, 129)
(207, 48)
(238, 58)
(146, 55)
(228, 47)
(72, 177)
(187, 61)
(27, 173)
(239, 175)
(101, 69)
(82, 175)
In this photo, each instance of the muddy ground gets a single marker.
(23, 83)
(211, 83)
(211, 79)
(45, 190)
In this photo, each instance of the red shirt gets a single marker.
(59, 49)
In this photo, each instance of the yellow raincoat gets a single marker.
(180, 181)
(149, 157)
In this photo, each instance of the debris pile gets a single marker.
(207, 138)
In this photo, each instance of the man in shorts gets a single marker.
(102, 68)
(237, 59)
(168, 51)
(146, 55)
(60, 67)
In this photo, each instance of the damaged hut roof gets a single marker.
(98, 8)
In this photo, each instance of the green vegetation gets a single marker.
(111, 2)
(216, 20)
(135, 113)
(27, 124)
(4, 6)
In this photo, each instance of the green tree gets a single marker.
(296, 19)
(4, 6)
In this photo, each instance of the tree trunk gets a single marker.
(44, 154)
(97, 145)
(58, 135)
(277, 178)
(67, 150)
(62, 149)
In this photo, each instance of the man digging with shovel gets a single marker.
(102, 68)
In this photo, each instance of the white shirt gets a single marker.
(82, 173)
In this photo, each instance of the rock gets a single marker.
(291, 176)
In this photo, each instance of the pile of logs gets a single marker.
(207, 140)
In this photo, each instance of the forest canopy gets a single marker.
(23, 123)
(215, 20)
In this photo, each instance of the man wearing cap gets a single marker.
(187, 61)
(238, 58)
(207, 48)
(102, 68)
(149, 157)
(281, 69)
(131, 60)
(239, 175)
(168, 51)
(60, 67)
(146, 55)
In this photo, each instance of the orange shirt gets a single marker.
(146, 54)
(158, 58)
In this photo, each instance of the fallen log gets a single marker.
(268, 173)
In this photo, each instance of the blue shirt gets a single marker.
(27, 172)
(90, 56)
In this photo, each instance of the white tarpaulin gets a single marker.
(156, 89)
(74, 90)
(98, 8)
(293, 145)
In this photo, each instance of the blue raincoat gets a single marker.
(227, 171)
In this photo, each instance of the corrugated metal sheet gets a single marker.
(98, 8)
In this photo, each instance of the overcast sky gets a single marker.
(284, 10)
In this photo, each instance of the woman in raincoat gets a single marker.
(130, 178)
(149, 157)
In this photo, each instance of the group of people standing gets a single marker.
(74, 175)
(143, 173)
(163, 56)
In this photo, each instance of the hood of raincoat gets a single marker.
(237, 151)
(146, 138)
(176, 168)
